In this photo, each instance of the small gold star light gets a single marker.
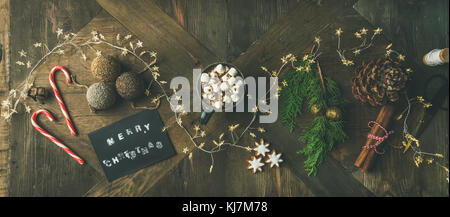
(139, 44)
(27, 109)
(196, 127)
(255, 109)
(388, 53)
(339, 32)
(401, 57)
(357, 35)
(364, 31)
(59, 32)
(305, 57)
(255, 164)
(261, 130)
(22, 53)
(357, 51)
(377, 31)
(185, 150)
(261, 148)
(231, 128)
(317, 40)
(274, 159)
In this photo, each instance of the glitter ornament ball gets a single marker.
(315, 110)
(130, 86)
(105, 68)
(101, 95)
(334, 113)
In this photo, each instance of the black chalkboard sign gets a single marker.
(131, 144)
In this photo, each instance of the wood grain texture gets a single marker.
(294, 34)
(194, 33)
(270, 42)
(178, 55)
(415, 28)
(229, 171)
(5, 150)
(38, 167)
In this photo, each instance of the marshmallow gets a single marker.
(214, 80)
(219, 69)
(215, 88)
(227, 99)
(213, 74)
(235, 97)
(218, 104)
(204, 78)
(211, 96)
(239, 83)
(231, 81)
(224, 86)
(207, 89)
(235, 89)
(225, 78)
(239, 80)
(232, 72)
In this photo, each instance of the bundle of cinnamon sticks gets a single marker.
(367, 157)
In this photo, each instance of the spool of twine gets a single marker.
(436, 57)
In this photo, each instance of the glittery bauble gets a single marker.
(105, 68)
(315, 110)
(101, 95)
(130, 86)
(334, 113)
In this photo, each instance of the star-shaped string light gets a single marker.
(261, 148)
(274, 159)
(255, 164)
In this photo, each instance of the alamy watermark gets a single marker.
(253, 93)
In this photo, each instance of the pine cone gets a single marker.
(378, 82)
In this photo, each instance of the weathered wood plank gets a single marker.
(415, 27)
(38, 167)
(294, 34)
(261, 53)
(4, 90)
(237, 180)
(217, 175)
(178, 54)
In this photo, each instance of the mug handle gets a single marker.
(205, 116)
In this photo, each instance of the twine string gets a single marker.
(377, 138)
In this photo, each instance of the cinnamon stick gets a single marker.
(367, 156)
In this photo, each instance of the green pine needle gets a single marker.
(321, 135)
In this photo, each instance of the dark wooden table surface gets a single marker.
(194, 33)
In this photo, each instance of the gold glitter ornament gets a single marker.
(334, 113)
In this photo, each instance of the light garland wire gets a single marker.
(412, 142)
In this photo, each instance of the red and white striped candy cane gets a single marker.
(53, 139)
(58, 96)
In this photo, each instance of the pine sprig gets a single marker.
(304, 85)
(293, 95)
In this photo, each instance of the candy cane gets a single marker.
(53, 139)
(58, 97)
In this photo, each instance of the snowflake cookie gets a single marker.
(261, 148)
(274, 159)
(255, 164)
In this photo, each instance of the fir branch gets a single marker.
(304, 85)
(293, 96)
